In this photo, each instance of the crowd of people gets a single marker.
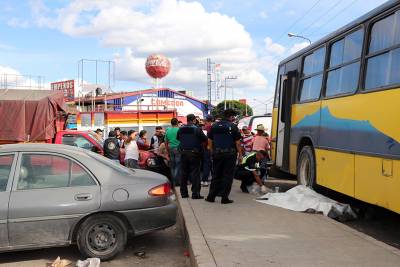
(199, 152)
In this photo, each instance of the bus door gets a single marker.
(283, 133)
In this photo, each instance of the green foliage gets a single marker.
(236, 105)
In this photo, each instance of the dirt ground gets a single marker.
(162, 248)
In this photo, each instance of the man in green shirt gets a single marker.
(172, 144)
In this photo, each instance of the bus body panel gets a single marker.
(273, 133)
(377, 181)
(303, 128)
(335, 170)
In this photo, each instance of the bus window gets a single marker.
(383, 65)
(313, 65)
(344, 72)
(385, 33)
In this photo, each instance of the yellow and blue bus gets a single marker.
(336, 116)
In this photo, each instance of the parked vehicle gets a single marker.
(58, 195)
(87, 140)
(252, 122)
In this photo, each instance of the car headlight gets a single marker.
(151, 162)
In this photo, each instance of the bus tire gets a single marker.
(306, 171)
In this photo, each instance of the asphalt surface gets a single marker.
(162, 248)
(376, 222)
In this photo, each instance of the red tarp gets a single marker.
(29, 115)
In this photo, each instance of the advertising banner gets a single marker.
(67, 87)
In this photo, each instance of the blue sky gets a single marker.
(247, 38)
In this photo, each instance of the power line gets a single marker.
(300, 18)
(335, 16)
(320, 17)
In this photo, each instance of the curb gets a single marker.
(200, 252)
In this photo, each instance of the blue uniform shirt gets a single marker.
(191, 137)
(224, 135)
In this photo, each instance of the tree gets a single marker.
(218, 111)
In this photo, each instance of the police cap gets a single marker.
(230, 112)
(190, 117)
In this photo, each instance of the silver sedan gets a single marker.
(56, 195)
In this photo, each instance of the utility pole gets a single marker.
(209, 79)
(228, 78)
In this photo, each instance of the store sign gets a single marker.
(182, 105)
(67, 87)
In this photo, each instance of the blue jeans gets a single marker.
(175, 165)
(206, 165)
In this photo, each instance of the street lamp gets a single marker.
(298, 36)
(228, 78)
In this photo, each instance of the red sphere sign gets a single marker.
(157, 66)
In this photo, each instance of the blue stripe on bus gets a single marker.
(327, 130)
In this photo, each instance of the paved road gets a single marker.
(163, 248)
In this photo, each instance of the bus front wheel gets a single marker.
(306, 167)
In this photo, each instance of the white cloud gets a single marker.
(183, 31)
(273, 48)
(297, 47)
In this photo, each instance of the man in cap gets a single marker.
(224, 140)
(191, 139)
(261, 143)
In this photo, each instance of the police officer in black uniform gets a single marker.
(191, 140)
(224, 140)
(111, 147)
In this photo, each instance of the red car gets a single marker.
(87, 140)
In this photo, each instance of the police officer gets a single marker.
(247, 171)
(191, 140)
(224, 140)
(111, 147)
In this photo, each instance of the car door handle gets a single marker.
(83, 197)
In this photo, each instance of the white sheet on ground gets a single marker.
(302, 198)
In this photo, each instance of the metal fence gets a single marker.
(18, 81)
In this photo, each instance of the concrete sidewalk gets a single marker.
(248, 233)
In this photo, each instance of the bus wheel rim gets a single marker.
(305, 172)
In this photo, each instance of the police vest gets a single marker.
(223, 135)
(188, 138)
(111, 148)
(244, 160)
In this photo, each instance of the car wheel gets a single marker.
(102, 236)
(306, 167)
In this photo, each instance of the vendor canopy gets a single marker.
(29, 115)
